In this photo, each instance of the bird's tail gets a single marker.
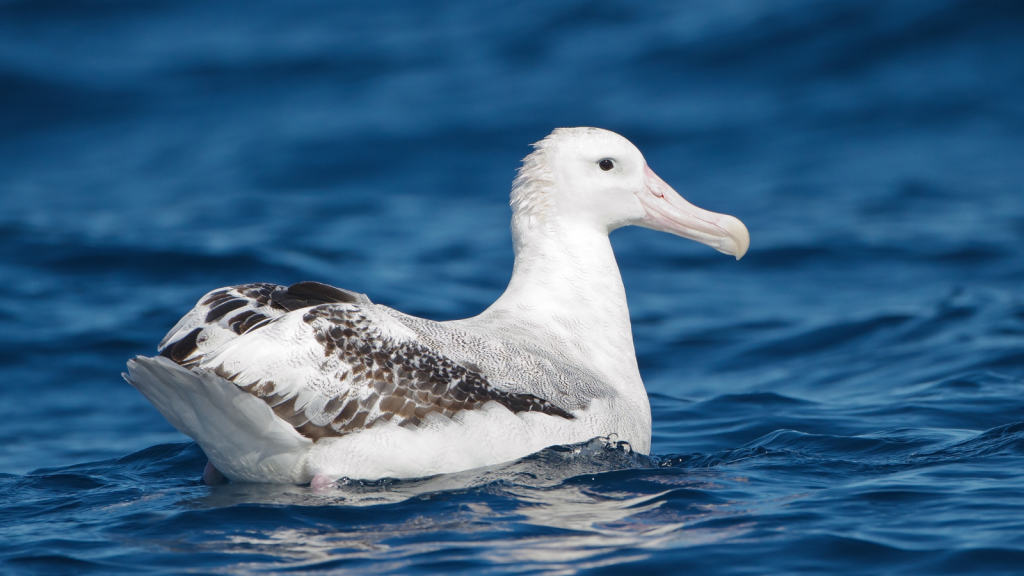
(240, 434)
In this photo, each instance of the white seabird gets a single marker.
(284, 384)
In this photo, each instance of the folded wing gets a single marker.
(328, 362)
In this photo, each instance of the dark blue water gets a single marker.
(848, 399)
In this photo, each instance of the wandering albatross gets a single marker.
(309, 382)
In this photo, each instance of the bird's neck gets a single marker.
(566, 289)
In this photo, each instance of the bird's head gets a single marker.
(596, 178)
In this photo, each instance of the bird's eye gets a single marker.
(606, 164)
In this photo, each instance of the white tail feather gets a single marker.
(239, 433)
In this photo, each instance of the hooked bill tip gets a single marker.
(738, 233)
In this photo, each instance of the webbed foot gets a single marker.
(212, 476)
(322, 482)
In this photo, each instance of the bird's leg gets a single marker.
(212, 476)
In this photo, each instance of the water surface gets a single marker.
(849, 398)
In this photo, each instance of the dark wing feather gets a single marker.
(225, 313)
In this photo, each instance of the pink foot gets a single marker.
(322, 482)
(212, 476)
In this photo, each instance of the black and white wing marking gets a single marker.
(331, 369)
(226, 313)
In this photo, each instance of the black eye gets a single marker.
(606, 164)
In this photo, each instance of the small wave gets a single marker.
(1007, 439)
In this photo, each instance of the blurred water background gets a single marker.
(848, 399)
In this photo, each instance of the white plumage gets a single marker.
(280, 384)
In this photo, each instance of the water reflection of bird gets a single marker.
(311, 382)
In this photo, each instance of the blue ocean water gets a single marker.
(847, 399)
